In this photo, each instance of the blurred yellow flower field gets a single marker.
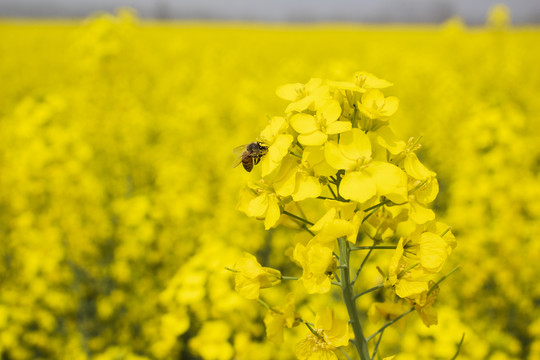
(119, 201)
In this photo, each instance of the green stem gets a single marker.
(444, 233)
(377, 346)
(459, 347)
(369, 290)
(377, 205)
(441, 280)
(296, 217)
(347, 291)
(332, 191)
(309, 326)
(390, 323)
(283, 277)
(387, 247)
(344, 354)
(369, 215)
(309, 231)
(361, 266)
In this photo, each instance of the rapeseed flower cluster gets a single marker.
(334, 144)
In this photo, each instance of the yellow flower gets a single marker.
(337, 222)
(296, 181)
(433, 251)
(278, 141)
(251, 277)
(304, 96)
(263, 205)
(280, 317)
(369, 81)
(297, 91)
(313, 158)
(423, 305)
(375, 106)
(388, 140)
(361, 82)
(364, 178)
(331, 333)
(404, 284)
(318, 263)
(313, 130)
(414, 168)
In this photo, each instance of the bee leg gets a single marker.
(256, 160)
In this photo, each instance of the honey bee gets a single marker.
(250, 154)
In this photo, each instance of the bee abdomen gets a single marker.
(247, 162)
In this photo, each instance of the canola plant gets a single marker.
(118, 196)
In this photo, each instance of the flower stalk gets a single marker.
(348, 297)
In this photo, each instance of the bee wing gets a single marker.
(238, 151)
(237, 161)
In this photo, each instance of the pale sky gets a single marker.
(434, 11)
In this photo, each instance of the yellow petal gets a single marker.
(300, 105)
(373, 99)
(274, 323)
(355, 145)
(406, 288)
(335, 229)
(247, 288)
(338, 335)
(330, 110)
(304, 123)
(415, 168)
(285, 181)
(370, 81)
(249, 266)
(428, 316)
(394, 262)
(389, 141)
(273, 213)
(306, 187)
(325, 319)
(356, 222)
(270, 277)
(338, 127)
(246, 195)
(329, 216)
(357, 186)
(432, 251)
(420, 214)
(313, 139)
(428, 192)
(313, 84)
(390, 180)
(258, 206)
(317, 284)
(319, 258)
(391, 104)
(280, 147)
(299, 255)
(313, 157)
(290, 92)
(335, 158)
(344, 85)
(277, 125)
(268, 165)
